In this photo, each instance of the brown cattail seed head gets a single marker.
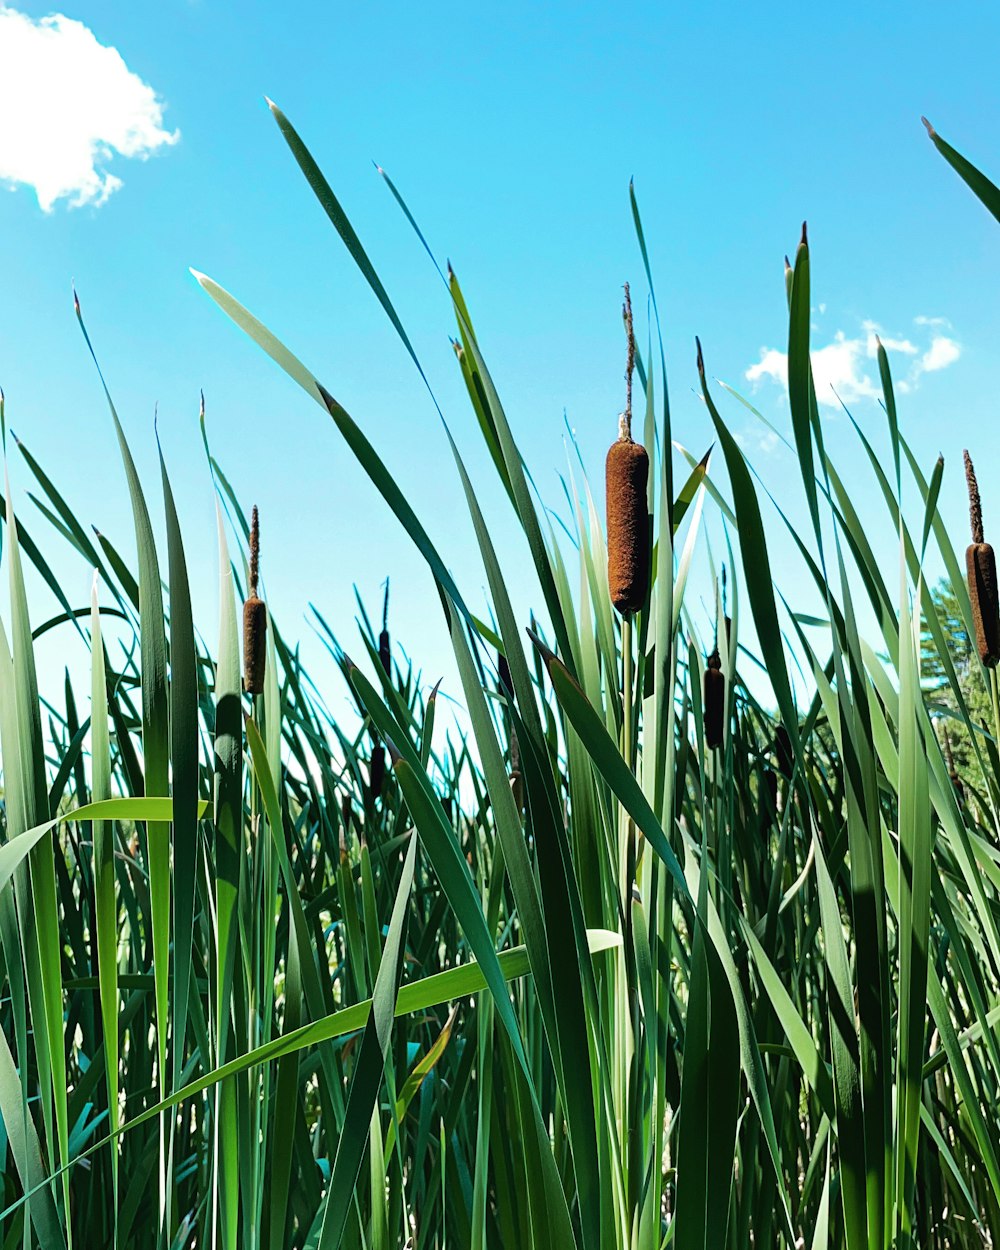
(981, 567)
(254, 621)
(715, 701)
(782, 747)
(376, 774)
(384, 650)
(626, 474)
(503, 672)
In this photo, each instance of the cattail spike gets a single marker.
(975, 504)
(783, 754)
(384, 648)
(626, 474)
(981, 569)
(715, 701)
(254, 620)
(254, 550)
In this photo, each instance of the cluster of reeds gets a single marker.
(563, 980)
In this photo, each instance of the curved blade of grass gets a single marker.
(184, 768)
(986, 191)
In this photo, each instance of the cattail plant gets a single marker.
(715, 701)
(507, 689)
(981, 567)
(626, 475)
(782, 748)
(254, 620)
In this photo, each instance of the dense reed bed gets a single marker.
(627, 958)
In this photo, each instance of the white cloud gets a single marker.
(840, 370)
(837, 370)
(68, 104)
(942, 352)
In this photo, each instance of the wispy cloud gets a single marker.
(942, 352)
(68, 105)
(841, 368)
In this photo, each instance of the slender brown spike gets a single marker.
(254, 550)
(788, 263)
(630, 358)
(700, 357)
(975, 503)
(805, 236)
(715, 701)
(930, 129)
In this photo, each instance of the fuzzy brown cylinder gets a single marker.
(782, 747)
(981, 568)
(715, 702)
(376, 772)
(254, 644)
(503, 672)
(384, 649)
(626, 475)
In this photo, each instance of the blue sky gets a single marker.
(513, 131)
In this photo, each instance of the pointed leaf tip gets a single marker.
(929, 128)
(700, 358)
(805, 236)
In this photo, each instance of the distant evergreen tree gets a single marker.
(951, 730)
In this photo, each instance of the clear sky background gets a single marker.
(513, 131)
